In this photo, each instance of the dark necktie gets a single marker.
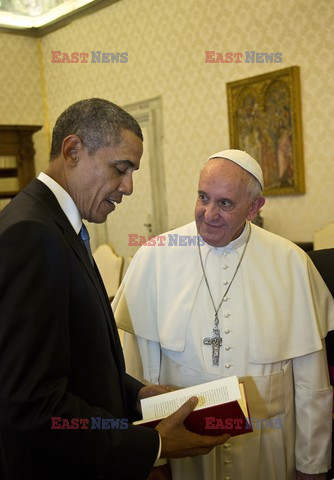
(85, 238)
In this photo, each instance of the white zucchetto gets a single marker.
(244, 160)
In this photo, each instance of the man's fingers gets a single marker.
(178, 442)
(181, 414)
(219, 439)
(208, 442)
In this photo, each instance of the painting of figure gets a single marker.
(265, 121)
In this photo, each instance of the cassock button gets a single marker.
(226, 282)
(228, 365)
(226, 315)
(228, 348)
(227, 461)
(226, 446)
(225, 253)
(225, 267)
(227, 331)
(226, 299)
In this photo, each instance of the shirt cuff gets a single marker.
(159, 461)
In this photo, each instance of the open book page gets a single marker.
(212, 393)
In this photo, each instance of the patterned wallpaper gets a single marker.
(20, 79)
(165, 42)
(21, 99)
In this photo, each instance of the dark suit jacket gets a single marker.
(324, 261)
(60, 354)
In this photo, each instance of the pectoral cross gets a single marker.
(216, 342)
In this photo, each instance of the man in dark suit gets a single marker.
(66, 402)
(324, 261)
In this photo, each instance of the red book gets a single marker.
(222, 408)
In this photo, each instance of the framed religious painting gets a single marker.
(265, 121)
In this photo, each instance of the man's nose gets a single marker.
(126, 185)
(211, 211)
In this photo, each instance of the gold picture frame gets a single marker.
(265, 121)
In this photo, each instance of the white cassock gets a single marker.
(272, 323)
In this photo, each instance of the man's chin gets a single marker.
(97, 219)
(212, 240)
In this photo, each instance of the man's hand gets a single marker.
(160, 473)
(178, 442)
(150, 391)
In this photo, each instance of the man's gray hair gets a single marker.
(254, 189)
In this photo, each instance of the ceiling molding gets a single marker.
(60, 22)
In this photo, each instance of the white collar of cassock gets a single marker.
(231, 247)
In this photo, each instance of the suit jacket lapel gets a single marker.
(93, 273)
(43, 194)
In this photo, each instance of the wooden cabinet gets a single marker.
(17, 166)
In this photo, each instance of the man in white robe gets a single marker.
(272, 311)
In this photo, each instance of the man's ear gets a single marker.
(70, 149)
(255, 207)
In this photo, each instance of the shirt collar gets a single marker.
(233, 245)
(65, 201)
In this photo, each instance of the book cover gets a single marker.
(222, 408)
